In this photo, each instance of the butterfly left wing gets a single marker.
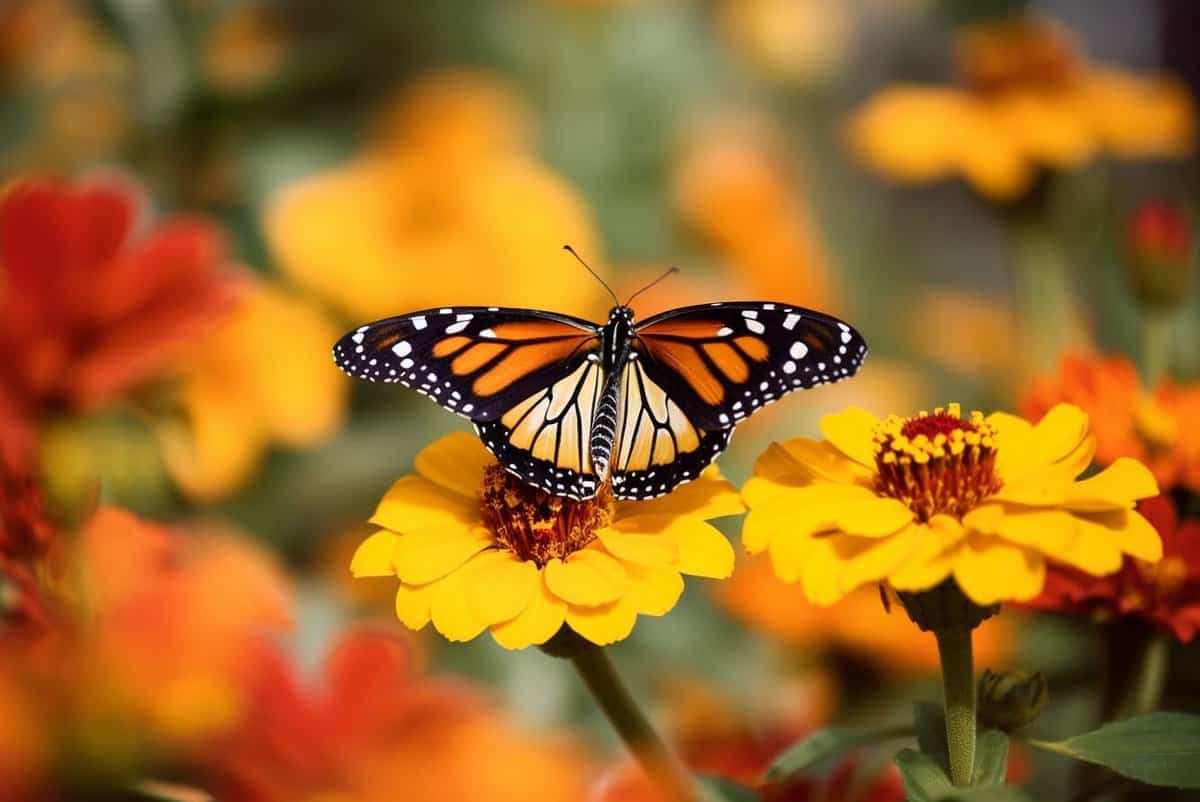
(721, 362)
(478, 362)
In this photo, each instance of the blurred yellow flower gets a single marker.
(263, 377)
(448, 206)
(858, 623)
(798, 41)
(731, 187)
(913, 502)
(475, 548)
(1028, 101)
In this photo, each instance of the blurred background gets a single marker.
(206, 193)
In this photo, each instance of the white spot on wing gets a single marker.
(419, 322)
(402, 348)
(755, 326)
(790, 321)
(798, 350)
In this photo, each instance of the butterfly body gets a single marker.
(568, 405)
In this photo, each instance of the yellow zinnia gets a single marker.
(914, 502)
(475, 548)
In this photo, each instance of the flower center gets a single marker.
(936, 463)
(1022, 53)
(539, 526)
(1156, 427)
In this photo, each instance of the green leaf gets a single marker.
(718, 789)
(931, 732)
(925, 781)
(1157, 749)
(991, 758)
(827, 743)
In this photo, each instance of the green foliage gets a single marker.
(1158, 749)
(931, 733)
(717, 789)
(926, 781)
(991, 758)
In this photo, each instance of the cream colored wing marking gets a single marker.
(651, 428)
(555, 424)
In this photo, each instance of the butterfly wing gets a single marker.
(477, 362)
(657, 445)
(529, 380)
(721, 362)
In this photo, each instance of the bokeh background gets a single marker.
(976, 205)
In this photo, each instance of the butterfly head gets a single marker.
(620, 313)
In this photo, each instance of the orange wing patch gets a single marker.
(754, 347)
(450, 345)
(730, 362)
(479, 355)
(524, 359)
(686, 360)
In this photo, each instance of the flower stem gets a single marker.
(631, 724)
(1156, 345)
(958, 683)
(1152, 674)
(1044, 304)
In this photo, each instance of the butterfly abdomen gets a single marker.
(604, 428)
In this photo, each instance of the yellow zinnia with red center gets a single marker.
(475, 548)
(914, 502)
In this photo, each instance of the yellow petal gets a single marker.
(1055, 533)
(373, 557)
(430, 554)
(873, 517)
(990, 570)
(1116, 487)
(933, 558)
(456, 463)
(450, 609)
(850, 431)
(1058, 433)
(708, 496)
(500, 586)
(654, 589)
(641, 539)
(537, 623)
(588, 577)
(605, 624)
(819, 507)
(415, 503)
(825, 461)
(820, 573)
(871, 560)
(413, 603)
(1127, 531)
(703, 550)
(788, 553)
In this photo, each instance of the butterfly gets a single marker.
(566, 404)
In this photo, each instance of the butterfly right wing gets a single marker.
(478, 362)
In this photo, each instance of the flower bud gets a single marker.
(1158, 252)
(1011, 699)
(944, 607)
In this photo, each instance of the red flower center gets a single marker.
(538, 526)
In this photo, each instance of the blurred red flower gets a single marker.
(372, 728)
(88, 307)
(26, 540)
(1166, 594)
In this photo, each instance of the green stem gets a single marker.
(958, 683)
(1044, 304)
(631, 724)
(1152, 674)
(1156, 345)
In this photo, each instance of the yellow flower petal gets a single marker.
(641, 539)
(850, 432)
(500, 586)
(821, 571)
(1059, 433)
(933, 558)
(1126, 530)
(825, 461)
(537, 623)
(1117, 486)
(413, 604)
(870, 560)
(605, 624)
(430, 554)
(450, 609)
(873, 517)
(588, 577)
(703, 550)
(708, 496)
(788, 554)
(456, 462)
(990, 570)
(820, 507)
(373, 557)
(415, 503)
(654, 589)
(1053, 532)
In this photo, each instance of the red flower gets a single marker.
(371, 728)
(1166, 593)
(88, 310)
(26, 540)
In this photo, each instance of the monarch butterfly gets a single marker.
(566, 404)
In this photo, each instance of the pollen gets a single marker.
(539, 526)
(936, 462)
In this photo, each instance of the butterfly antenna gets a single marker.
(670, 272)
(603, 283)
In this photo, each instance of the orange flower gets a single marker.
(731, 187)
(87, 311)
(1028, 102)
(447, 206)
(859, 623)
(1166, 594)
(262, 377)
(1127, 419)
(372, 727)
